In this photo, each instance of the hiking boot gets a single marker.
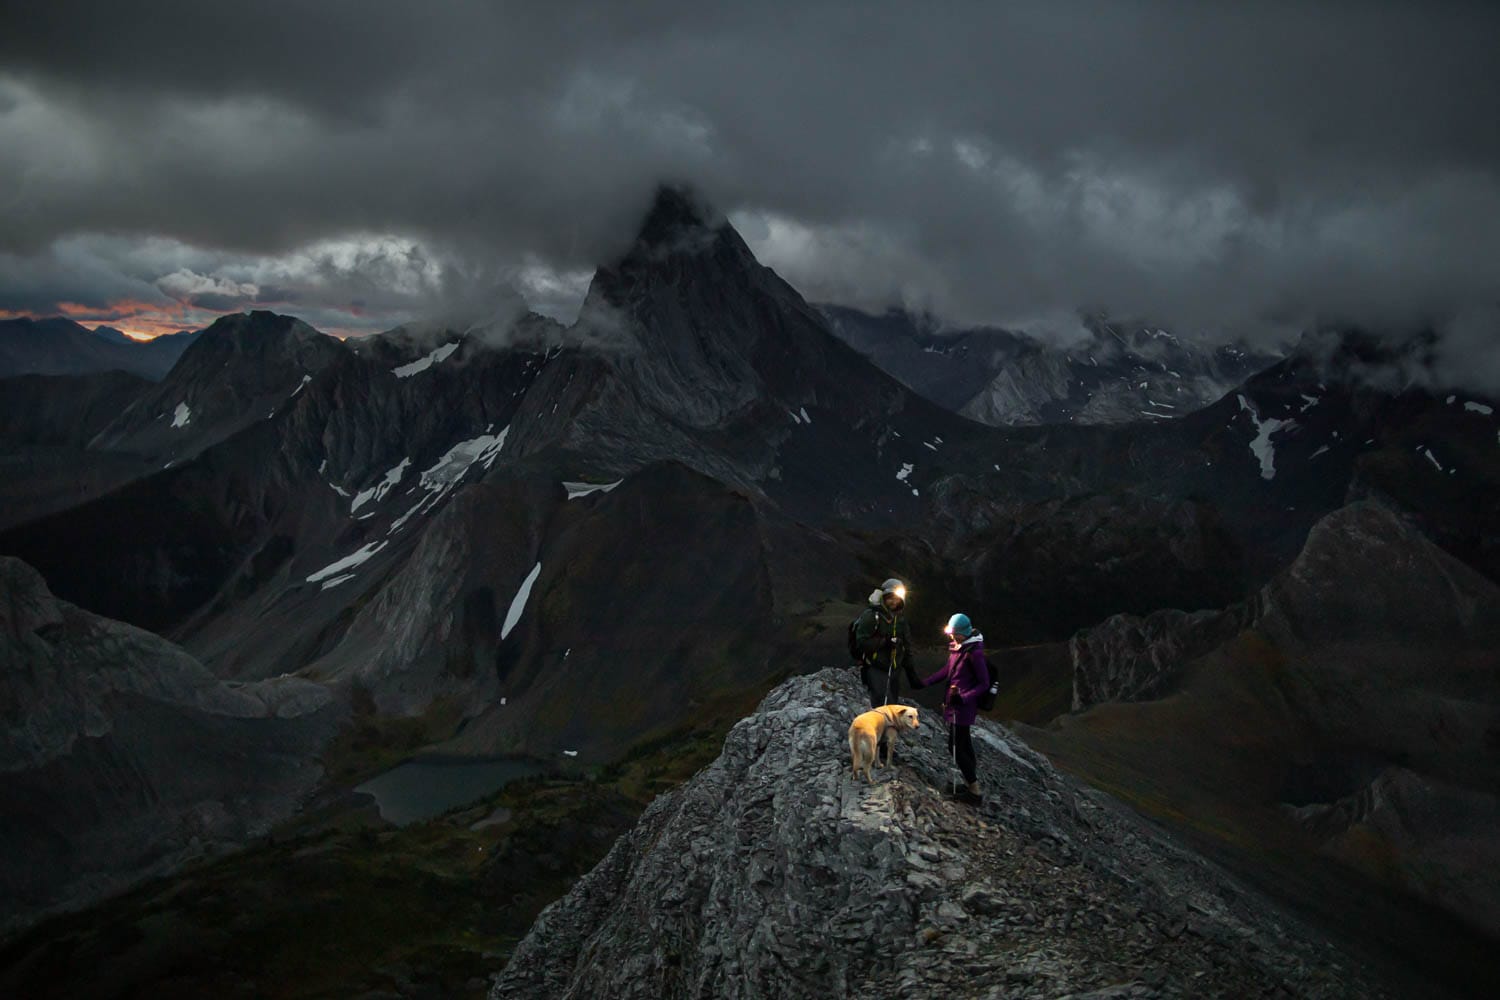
(970, 794)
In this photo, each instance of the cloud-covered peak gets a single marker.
(1211, 164)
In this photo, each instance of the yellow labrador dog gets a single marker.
(867, 730)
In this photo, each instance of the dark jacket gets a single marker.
(872, 633)
(969, 672)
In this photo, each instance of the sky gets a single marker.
(1222, 168)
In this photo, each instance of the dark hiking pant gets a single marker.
(960, 745)
(874, 678)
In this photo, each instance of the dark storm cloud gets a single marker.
(1220, 165)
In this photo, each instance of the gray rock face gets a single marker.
(1020, 393)
(1434, 839)
(121, 756)
(1366, 574)
(715, 339)
(1357, 694)
(237, 372)
(1130, 658)
(774, 873)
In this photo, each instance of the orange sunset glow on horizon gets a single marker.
(145, 322)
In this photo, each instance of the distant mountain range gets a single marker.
(1124, 372)
(57, 346)
(546, 541)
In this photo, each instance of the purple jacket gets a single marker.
(967, 668)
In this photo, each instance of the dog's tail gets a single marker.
(861, 751)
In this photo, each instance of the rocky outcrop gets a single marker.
(1130, 658)
(1023, 392)
(1357, 695)
(1434, 839)
(121, 756)
(773, 873)
(1367, 574)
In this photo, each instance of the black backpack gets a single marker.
(988, 696)
(855, 653)
(987, 699)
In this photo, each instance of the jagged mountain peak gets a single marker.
(677, 210)
(682, 231)
(713, 333)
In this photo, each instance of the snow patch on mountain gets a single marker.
(906, 470)
(518, 604)
(182, 415)
(356, 558)
(425, 362)
(1261, 446)
(1479, 408)
(449, 469)
(576, 490)
(380, 489)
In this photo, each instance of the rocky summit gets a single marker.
(775, 873)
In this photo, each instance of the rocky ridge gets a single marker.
(773, 872)
(1345, 712)
(1112, 372)
(59, 346)
(121, 756)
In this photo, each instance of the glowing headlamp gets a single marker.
(900, 592)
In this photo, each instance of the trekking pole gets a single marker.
(953, 750)
(891, 664)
